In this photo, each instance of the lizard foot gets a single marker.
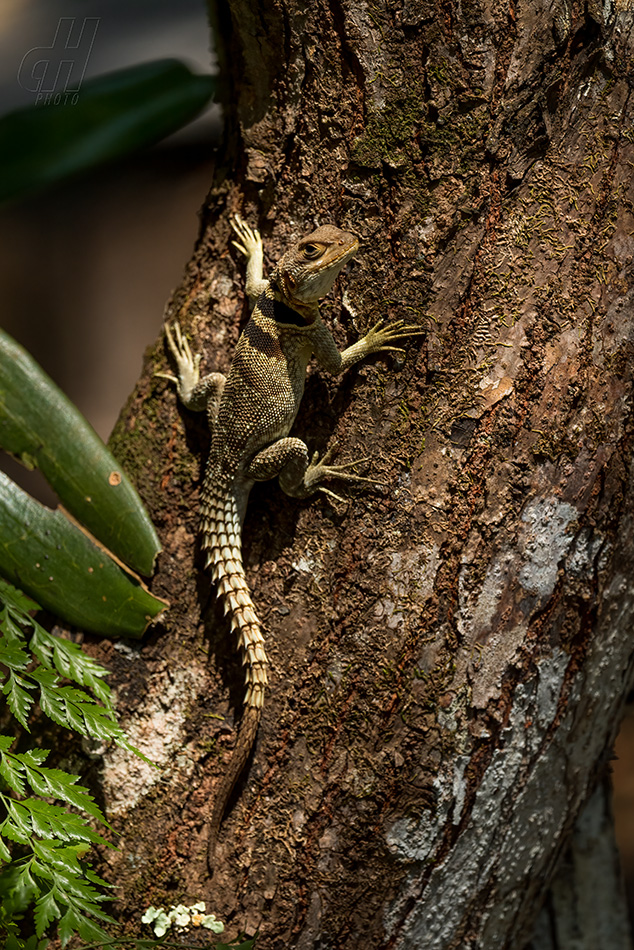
(187, 364)
(320, 469)
(382, 335)
(250, 242)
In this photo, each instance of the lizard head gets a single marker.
(308, 270)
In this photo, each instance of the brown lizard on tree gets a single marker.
(251, 413)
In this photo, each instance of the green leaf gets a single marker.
(54, 878)
(68, 574)
(5, 854)
(61, 859)
(16, 601)
(17, 888)
(56, 824)
(40, 425)
(52, 651)
(11, 772)
(18, 698)
(114, 115)
(74, 921)
(17, 824)
(68, 706)
(54, 783)
(71, 884)
(94, 878)
(72, 708)
(46, 910)
(11, 652)
(70, 661)
(38, 783)
(9, 830)
(33, 757)
(40, 824)
(12, 619)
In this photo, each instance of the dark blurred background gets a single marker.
(87, 267)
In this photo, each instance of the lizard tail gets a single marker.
(221, 525)
(246, 737)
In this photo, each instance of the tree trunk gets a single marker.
(585, 908)
(450, 652)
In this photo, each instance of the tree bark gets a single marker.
(451, 652)
(586, 907)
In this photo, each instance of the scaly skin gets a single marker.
(251, 413)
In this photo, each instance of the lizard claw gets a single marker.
(331, 494)
(169, 376)
(249, 242)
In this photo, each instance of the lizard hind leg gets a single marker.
(299, 474)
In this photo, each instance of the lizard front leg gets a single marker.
(379, 339)
(195, 393)
(299, 474)
(250, 244)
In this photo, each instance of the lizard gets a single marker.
(250, 413)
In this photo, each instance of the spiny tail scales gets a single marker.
(221, 538)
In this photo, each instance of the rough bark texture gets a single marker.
(585, 908)
(449, 654)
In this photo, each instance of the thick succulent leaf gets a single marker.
(42, 428)
(51, 559)
(112, 116)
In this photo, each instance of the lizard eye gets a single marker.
(311, 251)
